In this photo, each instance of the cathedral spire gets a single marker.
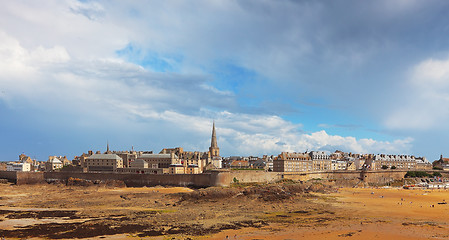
(214, 150)
(213, 142)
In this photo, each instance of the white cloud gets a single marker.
(424, 106)
(61, 57)
(56, 54)
(431, 73)
(105, 87)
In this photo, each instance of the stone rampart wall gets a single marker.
(212, 178)
(374, 177)
(138, 180)
(30, 178)
(252, 176)
(10, 175)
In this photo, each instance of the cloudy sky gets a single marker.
(358, 76)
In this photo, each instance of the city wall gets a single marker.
(245, 176)
(252, 176)
(140, 180)
(372, 177)
(9, 175)
(29, 178)
(212, 178)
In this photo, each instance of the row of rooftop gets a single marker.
(178, 161)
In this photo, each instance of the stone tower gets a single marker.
(214, 150)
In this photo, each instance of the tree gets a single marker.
(384, 167)
(418, 174)
(393, 167)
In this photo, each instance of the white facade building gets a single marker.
(217, 162)
(53, 163)
(18, 167)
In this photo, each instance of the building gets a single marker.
(143, 170)
(384, 161)
(18, 167)
(141, 166)
(317, 161)
(162, 160)
(338, 165)
(138, 163)
(236, 164)
(268, 162)
(217, 162)
(2, 166)
(321, 161)
(193, 169)
(128, 156)
(104, 162)
(33, 162)
(259, 164)
(306, 162)
(176, 169)
(191, 162)
(81, 160)
(53, 163)
(187, 158)
(442, 163)
(293, 162)
(422, 164)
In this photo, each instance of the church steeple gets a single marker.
(107, 148)
(213, 142)
(214, 149)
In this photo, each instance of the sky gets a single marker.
(356, 76)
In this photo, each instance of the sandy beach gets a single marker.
(369, 213)
(262, 212)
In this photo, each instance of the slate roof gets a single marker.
(105, 156)
(160, 155)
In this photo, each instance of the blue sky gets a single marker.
(357, 76)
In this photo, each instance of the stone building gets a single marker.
(187, 158)
(442, 163)
(338, 165)
(103, 162)
(321, 161)
(138, 163)
(2, 166)
(240, 164)
(380, 161)
(422, 164)
(128, 156)
(293, 162)
(161, 160)
(176, 169)
(192, 169)
(81, 160)
(194, 162)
